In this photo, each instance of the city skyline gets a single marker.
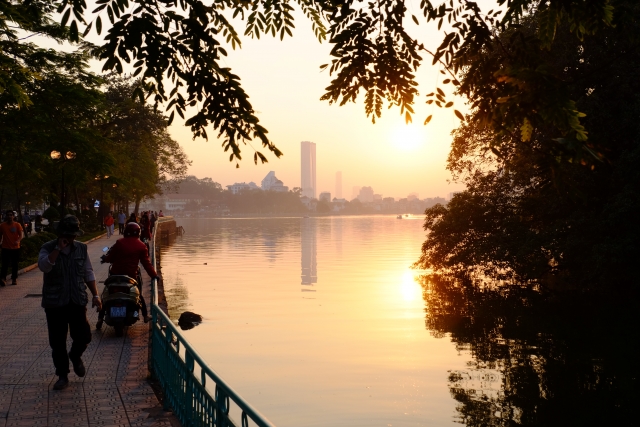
(285, 85)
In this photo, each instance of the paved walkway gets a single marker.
(114, 391)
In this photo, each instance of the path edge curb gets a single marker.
(33, 266)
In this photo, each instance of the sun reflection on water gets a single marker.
(409, 287)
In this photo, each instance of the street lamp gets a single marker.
(57, 156)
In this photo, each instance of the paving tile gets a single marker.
(114, 391)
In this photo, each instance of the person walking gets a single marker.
(11, 234)
(145, 226)
(67, 269)
(108, 222)
(132, 218)
(122, 218)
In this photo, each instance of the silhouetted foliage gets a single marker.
(176, 47)
(528, 215)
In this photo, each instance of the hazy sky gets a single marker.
(285, 83)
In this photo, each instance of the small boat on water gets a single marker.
(399, 217)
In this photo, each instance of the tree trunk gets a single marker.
(137, 206)
(19, 218)
(75, 193)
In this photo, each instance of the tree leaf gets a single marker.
(526, 130)
(65, 17)
(458, 114)
(428, 119)
(98, 25)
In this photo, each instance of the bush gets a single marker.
(29, 249)
(51, 214)
(30, 246)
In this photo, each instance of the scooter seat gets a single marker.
(120, 278)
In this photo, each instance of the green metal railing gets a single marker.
(186, 379)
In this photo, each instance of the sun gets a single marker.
(407, 137)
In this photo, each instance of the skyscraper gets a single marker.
(339, 185)
(308, 169)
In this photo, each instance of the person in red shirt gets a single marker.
(108, 222)
(124, 257)
(11, 234)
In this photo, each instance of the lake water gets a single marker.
(316, 321)
(321, 322)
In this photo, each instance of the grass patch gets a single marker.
(88, 236)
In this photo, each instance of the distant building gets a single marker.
(354, 192)
(413, 196)
(271, 183)
(174, 202)
(242, 186)
(308, 169)
(453, 193)
(339, 185)
(309, 203)
(388, 200)
(338, 204)
(377, 197)
(366, 195)
(325, 196)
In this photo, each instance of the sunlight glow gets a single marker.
(409, 287)
(407, 137)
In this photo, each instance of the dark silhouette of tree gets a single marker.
(539, 359)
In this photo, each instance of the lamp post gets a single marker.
(101, 178)
(115, 196)
(57, 156)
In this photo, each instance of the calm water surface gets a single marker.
(315, 321)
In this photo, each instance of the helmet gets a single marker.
(132, 230)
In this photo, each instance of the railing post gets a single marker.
(188, 359)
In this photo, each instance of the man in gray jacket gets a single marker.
(67, 268)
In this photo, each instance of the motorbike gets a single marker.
(27, 228)
(120, 300)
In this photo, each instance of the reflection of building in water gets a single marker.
(309, 250)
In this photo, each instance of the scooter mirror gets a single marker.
(105, 249)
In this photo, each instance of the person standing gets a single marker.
(122, 218)
(152, 221)
(160, 215)
(11, 232)
(67, 269)
(108, 222)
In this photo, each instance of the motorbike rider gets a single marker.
(38, 220)
(124, 256)
(26, 220)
